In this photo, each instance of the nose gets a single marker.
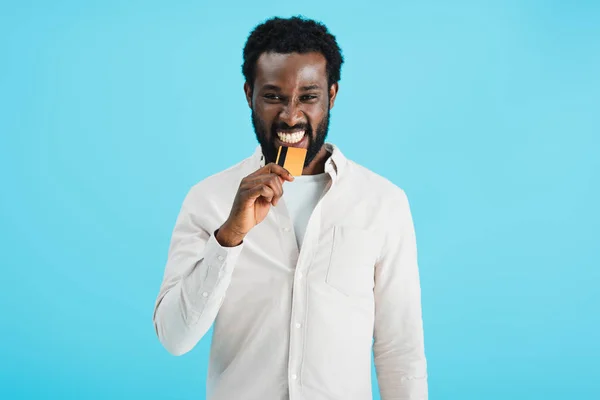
(291, 114)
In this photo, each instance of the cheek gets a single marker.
(259, 112)
(266, 112)
(316, 115)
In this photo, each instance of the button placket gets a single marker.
(287, 235)
(214, 272)
(300, 295)
(300, 292)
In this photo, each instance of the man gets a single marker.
(302, 276)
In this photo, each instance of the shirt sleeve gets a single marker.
(398, 334)
(197, 275)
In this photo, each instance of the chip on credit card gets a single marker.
(292, 159)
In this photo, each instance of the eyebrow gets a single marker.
(271, 87)
(277, 88)
(310, 87)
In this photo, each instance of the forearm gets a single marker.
(401, 373)
(188, 303)
(399, 350)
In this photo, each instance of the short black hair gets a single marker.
(292, 35)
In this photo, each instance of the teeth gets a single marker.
(290, 137)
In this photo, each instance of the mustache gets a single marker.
(285, 127)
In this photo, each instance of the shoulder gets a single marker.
(220, 185)
(387, 202)
(381, 187)
(391, 212)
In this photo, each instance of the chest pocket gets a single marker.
(354, 252)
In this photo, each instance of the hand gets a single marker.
(253, 200)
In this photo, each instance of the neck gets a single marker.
(317, 165)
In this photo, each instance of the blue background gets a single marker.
(487, 115)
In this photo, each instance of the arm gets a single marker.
(197, 275)
(399, 346)
(201, 263)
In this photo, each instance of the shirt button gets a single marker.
(294, 376)
(298, 324)
(205, 294)
(220, 258)
(286, 229)
(299, 275)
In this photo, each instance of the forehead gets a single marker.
(290, 70)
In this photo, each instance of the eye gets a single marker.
(271, 96)
(309, 97)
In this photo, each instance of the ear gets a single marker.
(248, 92)
(333, 90)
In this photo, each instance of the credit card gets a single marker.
(292, 159)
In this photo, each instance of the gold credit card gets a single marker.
(292, 159)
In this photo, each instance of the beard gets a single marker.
(267, 141)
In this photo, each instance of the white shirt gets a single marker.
(301, 197)
(292, 324)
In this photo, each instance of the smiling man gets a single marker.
(305, 276)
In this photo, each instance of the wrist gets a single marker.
(228, 237)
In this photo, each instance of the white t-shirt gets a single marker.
(301, 197)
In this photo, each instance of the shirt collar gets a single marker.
(334, 164)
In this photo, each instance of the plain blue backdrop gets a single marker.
(487, 115)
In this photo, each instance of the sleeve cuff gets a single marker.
(211, 277)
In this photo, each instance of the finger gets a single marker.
(274, 183)
(250, 182)
(261, 190)
(279, 170)
(273, 168)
